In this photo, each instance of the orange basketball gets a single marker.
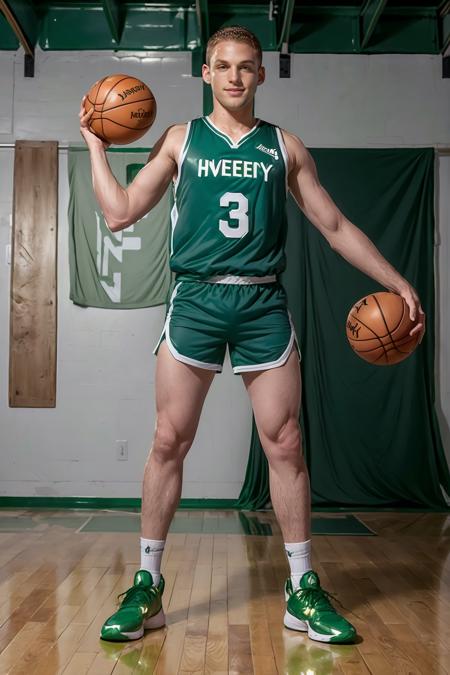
(378, 329)
(124, 108)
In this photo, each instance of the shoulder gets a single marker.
(177, 132)
(292, 144)
(175, 136)
(171, 142)
(296, 150)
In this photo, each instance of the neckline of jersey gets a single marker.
(227, 138)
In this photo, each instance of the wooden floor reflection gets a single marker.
(223, 599)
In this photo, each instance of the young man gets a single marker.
(231, 174)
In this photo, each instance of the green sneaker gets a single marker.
(309, 609)
(141, 608)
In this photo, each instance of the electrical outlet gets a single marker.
(122, 450)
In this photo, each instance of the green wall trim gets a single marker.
(191, 504)
(83, 148)
(379, 509)
(106, 503)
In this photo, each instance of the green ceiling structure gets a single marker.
(296, 26)
(287, 26)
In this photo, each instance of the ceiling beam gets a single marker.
(114, 13)
(285, 32)
(24, 22)
(203, 34)
(445, 34)
(202, 11)
(370, 14)
(444, 18)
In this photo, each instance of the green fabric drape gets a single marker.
(122, 270)
(371, 435)
(255, 491)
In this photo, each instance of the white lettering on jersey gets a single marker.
(273, 152)
(233, 168)
(265, 167)
(247, 169)
(226, 167)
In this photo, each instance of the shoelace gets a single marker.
(131, 593)
(318, 597)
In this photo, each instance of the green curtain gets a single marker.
(255, 491)
(371, 436)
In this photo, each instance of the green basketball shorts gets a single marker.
(248, 315)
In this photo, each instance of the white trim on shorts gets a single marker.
(173, 350)
(232, 279)
(279, 362)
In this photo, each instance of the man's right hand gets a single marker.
(92, 141)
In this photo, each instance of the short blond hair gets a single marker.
(236, 34)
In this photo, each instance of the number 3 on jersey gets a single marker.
(240, 214)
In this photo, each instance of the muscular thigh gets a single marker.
(275, 395)
(180, 392)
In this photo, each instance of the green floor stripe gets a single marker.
(232, 523)
(39, 522)
(197, 524)
(341, 525)
(17, 524)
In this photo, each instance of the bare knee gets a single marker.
(170, 444)
(283, 442)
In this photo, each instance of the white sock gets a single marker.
(299, 559)
(151, 554)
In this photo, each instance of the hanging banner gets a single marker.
(115, 270)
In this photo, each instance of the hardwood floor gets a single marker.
(223, 599)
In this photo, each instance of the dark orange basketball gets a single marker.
(124, 109)
(378, 329)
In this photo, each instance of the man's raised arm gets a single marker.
(121, 207)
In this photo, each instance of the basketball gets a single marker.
(378, 329)
(124, 109)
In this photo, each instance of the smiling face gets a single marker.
(234, 72)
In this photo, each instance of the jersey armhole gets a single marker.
(182, 155)
(282, 145)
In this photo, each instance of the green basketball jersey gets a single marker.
(230, 200)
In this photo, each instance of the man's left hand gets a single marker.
(416, 312)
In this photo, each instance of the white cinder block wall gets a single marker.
(105, 365)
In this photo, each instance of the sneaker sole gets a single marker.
(156, 621)
(135, 635)
(293, 623)
(153, 622)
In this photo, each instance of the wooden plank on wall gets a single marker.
(32, 348)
